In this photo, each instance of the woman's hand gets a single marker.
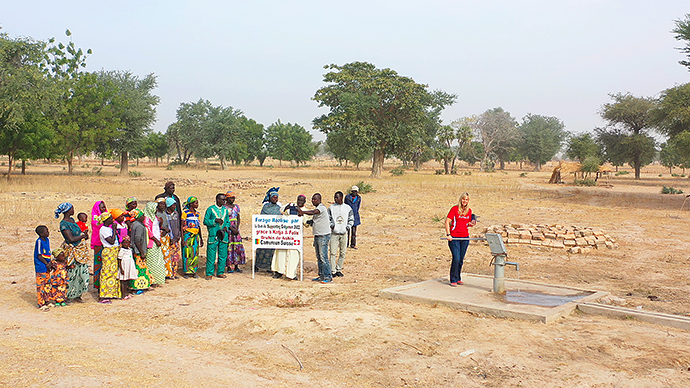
(157, 241)
(472, 223)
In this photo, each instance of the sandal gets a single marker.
(128, 297)
(105, 301)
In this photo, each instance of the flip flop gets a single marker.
(128, 297)
(105, 301)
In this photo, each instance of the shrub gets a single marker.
(397, 171)
(585, 182)
(622, 173)
(364, 188)
(670, 190)
(170, 167)
(135, 173)
(523, 174)
(437, 172)
(467, 173)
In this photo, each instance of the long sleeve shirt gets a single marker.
(341, 217)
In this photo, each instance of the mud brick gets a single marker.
(588, 232)
(525, 236)
(535, 242)
(586, 250)
(525, 241)
(590, 240)
(537, 236)
(575, 250)
(551, 236)
(581, 242)
(609, 244)
(558, 244)
(513, 240)
(513, 235)
(569, 243)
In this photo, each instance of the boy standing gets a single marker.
(41, 264)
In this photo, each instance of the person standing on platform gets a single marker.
(458, 221)
(217, 222)
(354, 201)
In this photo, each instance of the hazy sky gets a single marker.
(556, 58)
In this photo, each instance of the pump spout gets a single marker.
(517, 266)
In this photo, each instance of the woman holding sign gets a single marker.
(264, 257)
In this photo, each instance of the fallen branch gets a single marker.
(294, 355)
(419, 351)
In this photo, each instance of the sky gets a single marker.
(554, 57)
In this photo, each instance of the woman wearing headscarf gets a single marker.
(98, 209)
(110, 285)
(77, 252)
(271, 206)
(236, 255)
(192, 240)
(139, 238)
(154, 255)
(175, 235)
(162, 217)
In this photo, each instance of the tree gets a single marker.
(541, 137)
(611, 146)
(379, 106)
(682, 32)
(581, 147)
(221, 135)
(252, 135)
(156, 146)
(25, 92)
(672, 113)
(497, 130)
(289, 142)
(344, 146)
(135, 108)
(186, 134)
(634, 116)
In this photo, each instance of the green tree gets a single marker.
(672, 114)
(581, 147)
(25, 92)
(682, 32)
(632, 115)
(186, 134)
(344, 146)
(156, 146)
(252, 135)
(612, 146)
(541, 137)
(384, 109)
(134, 106)
(221, 135)
(497, 130)
(289, 142)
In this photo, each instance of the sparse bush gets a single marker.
(397, 171)
(135, 174)
(622, 173)
(523, 174)
(467, 173)
(170, 167)
(670, 190)
(437, 172)
(585, 182)
(364, 188)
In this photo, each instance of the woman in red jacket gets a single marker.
(458, 221)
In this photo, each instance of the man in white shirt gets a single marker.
(342, 219)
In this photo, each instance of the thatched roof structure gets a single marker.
(565, 167)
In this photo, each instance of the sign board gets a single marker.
(277, 232)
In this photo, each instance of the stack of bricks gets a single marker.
(574, 239)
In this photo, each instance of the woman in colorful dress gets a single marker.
(154, 255)
(162, 217)
(175, 235)
(191, 237)
(271, 206)
(236, 254)
(77, 252)
(110, 285)
(140, 240)
(98, 209)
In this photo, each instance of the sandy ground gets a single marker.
(241, 331)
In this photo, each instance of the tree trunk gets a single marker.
(537, 166)
(124, 163)
(377, 165)
(102, 162)
(222, 163)
(137, 162)
(23, 167)
(446, 166)
(156, 161)
(636, 163)
(670, 170)
(502, 164)
(70, 162)
(9, 169)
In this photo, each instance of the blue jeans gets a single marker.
(321, 248)
(458, 248)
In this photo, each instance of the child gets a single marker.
(128, 270)
(58, 277)
(83, 218)
(42, 265)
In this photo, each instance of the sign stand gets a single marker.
(278, 232)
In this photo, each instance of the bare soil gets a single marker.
(243, 332)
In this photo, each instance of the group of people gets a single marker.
(334, 229)
(135, 250)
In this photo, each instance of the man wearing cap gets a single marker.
(170, 193)
(354, 200)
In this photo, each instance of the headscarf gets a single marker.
(62, 208)
(103, 217)
(130, 200)
(150, 213)
(95, 225)
(170, 201)
(271, 192)
(230, 193)
(190, 200)
(161, 199)
(56, 252)
(116, 212)
(168, 184)
(150, 210)
(135, 213)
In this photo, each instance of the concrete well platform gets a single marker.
(523, 300)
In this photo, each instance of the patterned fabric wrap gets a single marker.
(97, 265)
(42, 288)
(156, 265)
(76, 254)
(236, 255)
(190, 253)
(78, 280)
(175, 254)
(109, 285)
(58, 283)
(165, 248)
(142, 282)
